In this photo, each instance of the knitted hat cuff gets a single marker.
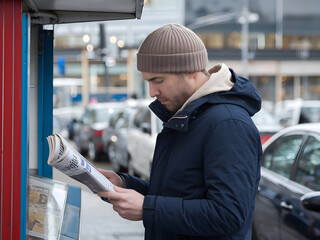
(175, 63)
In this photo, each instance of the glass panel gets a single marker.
(310, 88)
(88, 117)
(47, 200)
(287, 88)
(281, 155)
(308, 173)
(310, 114)
(103, 115)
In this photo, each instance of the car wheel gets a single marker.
(92, 152)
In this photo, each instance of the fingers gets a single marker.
(120, 189)
(113, 195)
(106, 173)
(127, 202)
(112, 176)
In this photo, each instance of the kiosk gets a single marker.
(26, 101)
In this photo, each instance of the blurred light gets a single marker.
(253, 17)
(120, 44)
(249, 18)
(113, 39)
(86, 38)
(89, 47)
(98, 133)
(123, 77)
(111, 62)
(114, 138)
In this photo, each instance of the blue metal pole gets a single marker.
(24, 125)
(45, 99)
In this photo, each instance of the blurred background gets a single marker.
(101, 101)
(275, 44)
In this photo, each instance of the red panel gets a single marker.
(17, 119)
(1, 80)
(10, 110)
(7, 120)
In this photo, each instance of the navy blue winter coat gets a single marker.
(205, 170)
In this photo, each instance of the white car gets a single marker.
(266, 124)
(142, 137)
(292, 112)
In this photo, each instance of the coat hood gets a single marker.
(240, 91)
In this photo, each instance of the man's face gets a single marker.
(172, 90)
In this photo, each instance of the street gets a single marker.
(98, 220)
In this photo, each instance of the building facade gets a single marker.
(283, 51)
(110, 49)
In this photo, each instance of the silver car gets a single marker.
(141, 140)
(88, 130)
(115, 138)
(288, 199)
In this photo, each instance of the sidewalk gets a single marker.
(98, 220)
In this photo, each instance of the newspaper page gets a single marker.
(66, 159)
(47, 200)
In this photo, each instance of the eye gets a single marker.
(158, 81)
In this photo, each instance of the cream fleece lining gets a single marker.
(219, 81)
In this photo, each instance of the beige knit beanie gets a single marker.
(172, 48)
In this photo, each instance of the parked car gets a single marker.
(266, 124)
(66, 116)
(288, 199)
(291, 112)
(88, 130)
(115, 138)
(141, 140)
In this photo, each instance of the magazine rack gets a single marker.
(54, 209)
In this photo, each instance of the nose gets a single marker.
(153, 90)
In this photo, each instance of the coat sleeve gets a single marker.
(232, 156)
(135, 183)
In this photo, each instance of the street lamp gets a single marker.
(245, 18)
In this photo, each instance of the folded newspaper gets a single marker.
(66, 159)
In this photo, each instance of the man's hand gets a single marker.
(126, 202)
(114, 178)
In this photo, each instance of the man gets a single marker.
(206, 165)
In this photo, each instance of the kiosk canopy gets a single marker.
(71, 11)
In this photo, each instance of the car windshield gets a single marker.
(310, 114)
(103, 114)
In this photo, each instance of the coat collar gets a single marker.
(220, 80)
(180, 120)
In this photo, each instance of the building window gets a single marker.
(287, 88)
(265, 86)
(301, 42)
(270, 42)
(310, 88)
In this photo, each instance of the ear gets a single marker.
(192, 75)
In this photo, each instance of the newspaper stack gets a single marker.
(66, 159)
